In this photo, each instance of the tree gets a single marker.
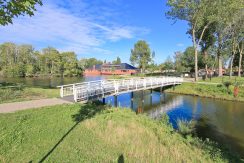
(240, 50)
(168, 64)
(88, 63)
(117, 61)
(207, 42)
(178, 62)
(23, 61)
(70, 66)
(13, 8)
(141, 55)
(188, 59)
(199, 15)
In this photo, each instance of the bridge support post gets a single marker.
(132, 98)
(103, 100)
(142, 99)
(116, 101)
(151, 91)
(161, 90)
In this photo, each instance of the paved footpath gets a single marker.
(16, 106)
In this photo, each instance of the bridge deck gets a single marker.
(103, 88)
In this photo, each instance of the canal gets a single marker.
(219, 120)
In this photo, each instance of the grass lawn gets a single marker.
(26, 93)
(213, 91)
(233, 79)
(88, 133)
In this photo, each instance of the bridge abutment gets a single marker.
(116, 101)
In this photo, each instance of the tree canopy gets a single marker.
(141, 55)
(23, 60)
(13, 8)
(117, 61)
(88, 63)
(207, 21)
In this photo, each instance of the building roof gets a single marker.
(127, 66)
(123, 66)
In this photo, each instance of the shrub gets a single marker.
(227, 84)
(186, 127)
(165, 119)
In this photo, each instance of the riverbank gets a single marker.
(217, 91)
(13, 93)
(93, 132)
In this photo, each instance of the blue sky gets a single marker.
(103, 29)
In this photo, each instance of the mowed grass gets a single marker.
(26, 93)
(223, 79)
(96, 133)
(209, 90)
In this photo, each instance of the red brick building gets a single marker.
(111, 69)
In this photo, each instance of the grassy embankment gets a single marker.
(88, 133)
(223, 79)
(212, 90)
(14, 93)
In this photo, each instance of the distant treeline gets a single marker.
(24, 61)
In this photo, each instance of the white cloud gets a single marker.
(180, 44)
(67, 29)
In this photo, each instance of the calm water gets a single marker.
(50, 82)
(222, 121)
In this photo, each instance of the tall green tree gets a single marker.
(24, 61)
(70, 65)
(208, 41)
(178, 62)
(13, 8)
(90, 62)
(117, 61)
(141, 55)
(235, 32)
(168, 64)
(199, 15)
(202, 15)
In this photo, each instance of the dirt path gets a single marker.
(16, 106)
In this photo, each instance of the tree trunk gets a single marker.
(196, 64)
(219, 55)
(240, 49)
(239, 67)
(220, 65)
(205, 53)
(231, 64)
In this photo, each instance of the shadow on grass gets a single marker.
(121, 159)
(86, 111)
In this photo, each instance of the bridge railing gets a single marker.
(101, 88)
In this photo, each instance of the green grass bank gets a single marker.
(96, 133)
(218, 91)
(15, 93)
(223, 79)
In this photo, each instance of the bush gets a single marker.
(227, 84)
(186, 127)
(165, 119)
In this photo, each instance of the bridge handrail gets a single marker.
(116, 85)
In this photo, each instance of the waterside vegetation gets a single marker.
(94, 132)
(17, 92)
(223, 91)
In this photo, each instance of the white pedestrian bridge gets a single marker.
(113, 87)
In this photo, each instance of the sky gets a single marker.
(103, 29)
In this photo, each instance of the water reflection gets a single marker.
(219, 120)
(50, 82)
